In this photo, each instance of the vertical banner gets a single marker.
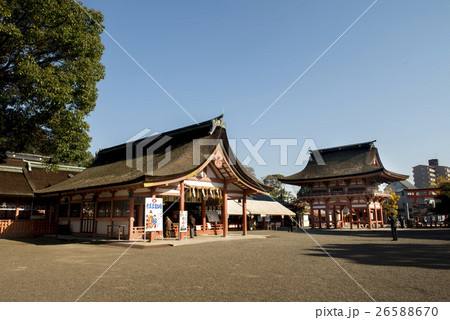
(183, 221)
(153, 214)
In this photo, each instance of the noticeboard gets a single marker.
(213, 216)
(153, 214)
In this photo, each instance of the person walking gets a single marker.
(393, 221)
(192, 225)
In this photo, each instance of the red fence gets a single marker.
(13, 228)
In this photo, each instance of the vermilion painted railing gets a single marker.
(14, 228)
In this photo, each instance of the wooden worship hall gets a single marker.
(191, 168)
(344, 190)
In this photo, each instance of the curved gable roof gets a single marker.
(344, 162)
(140, 160)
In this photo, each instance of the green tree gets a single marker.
(251, 171)
(443, 200)
(50, 53)
(278, 190)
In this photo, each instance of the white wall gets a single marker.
(102, 226)
(75, 226)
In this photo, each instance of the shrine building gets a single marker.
(192, 169)
(343, 189)
(23, 174)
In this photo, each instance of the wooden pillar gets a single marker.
(81, 212)
(369, 216)
(112, 210)
(311, 216)
(334, 217)
(375, 212)
(68, 209)
(320, 218)
(95, 213)
(244, 214)
(181, 207)
(358, 218)
(364, 217)
(16, 214)
(203, 213)
(225, 209)
(350, 210)
(381, 215)
(327, 216)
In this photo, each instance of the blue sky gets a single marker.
(386, 79)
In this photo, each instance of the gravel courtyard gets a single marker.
(283, 267)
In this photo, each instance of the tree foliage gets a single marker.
(441, 180)
(391, 205)
(278, 190)
(251, 171)
(50, 52)
(301, 206)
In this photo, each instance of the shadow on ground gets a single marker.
(395, 254)
(428, 234)
(50, 241)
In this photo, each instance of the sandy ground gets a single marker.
(284, 267)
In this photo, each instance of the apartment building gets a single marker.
(426, 176)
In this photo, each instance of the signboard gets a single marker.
(213, 216)
(183, 221)
(153, 214)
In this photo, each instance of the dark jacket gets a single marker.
(393, 221)
(191, 221)
(167, 223)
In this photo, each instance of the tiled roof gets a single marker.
(344, 162)
(138, 161)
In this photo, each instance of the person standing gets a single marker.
(290, 224)
(393, 220)
(192, 225)
(167, 227)
(402, 222)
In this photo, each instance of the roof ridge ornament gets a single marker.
(217, 122)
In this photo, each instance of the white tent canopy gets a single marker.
(261, 207)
